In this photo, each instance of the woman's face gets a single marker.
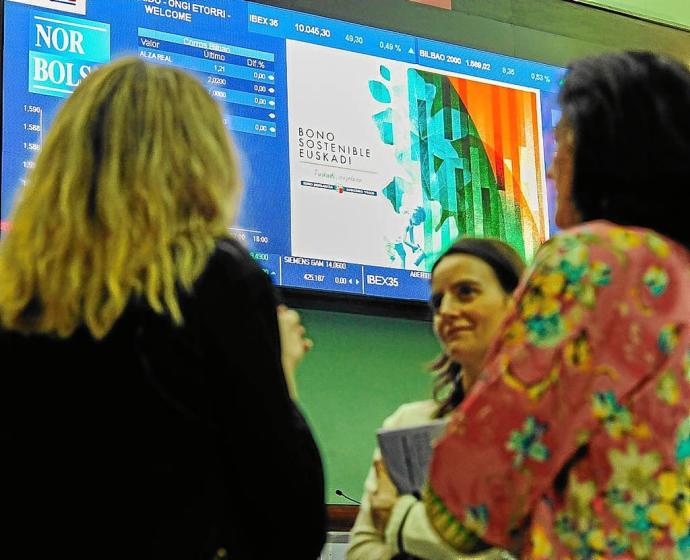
(469, 305)
(561, 172)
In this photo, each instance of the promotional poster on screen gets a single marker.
(365, 151)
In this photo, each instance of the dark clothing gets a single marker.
(160, 442)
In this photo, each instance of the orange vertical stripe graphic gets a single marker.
(507, 122)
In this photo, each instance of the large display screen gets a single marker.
(365, 151)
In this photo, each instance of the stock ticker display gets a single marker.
(365, 151)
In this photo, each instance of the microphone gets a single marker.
(341, 493)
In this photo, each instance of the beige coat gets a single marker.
(419, 538)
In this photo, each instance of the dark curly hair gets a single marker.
(630, 115)
(508, 267)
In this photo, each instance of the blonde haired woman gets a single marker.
(144, 407)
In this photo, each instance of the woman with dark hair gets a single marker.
(575, 442)
(471, 285)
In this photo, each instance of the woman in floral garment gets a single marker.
(575, 443)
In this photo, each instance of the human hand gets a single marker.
(383, 498)
(293, 344)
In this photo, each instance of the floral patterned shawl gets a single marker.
(579, 430)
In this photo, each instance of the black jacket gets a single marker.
(160, 442)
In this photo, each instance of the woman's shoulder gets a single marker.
(615, 244)
(233, 275)
(616, 236)
(229, 251)
(412, 413)
(232, 262)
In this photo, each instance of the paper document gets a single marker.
(406, 453)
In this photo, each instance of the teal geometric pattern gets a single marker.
(455, 169)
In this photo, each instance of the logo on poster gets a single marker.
(64, 51)
(69, 6)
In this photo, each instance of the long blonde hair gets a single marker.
(136, 180)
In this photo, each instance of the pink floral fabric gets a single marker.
(579, 431)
